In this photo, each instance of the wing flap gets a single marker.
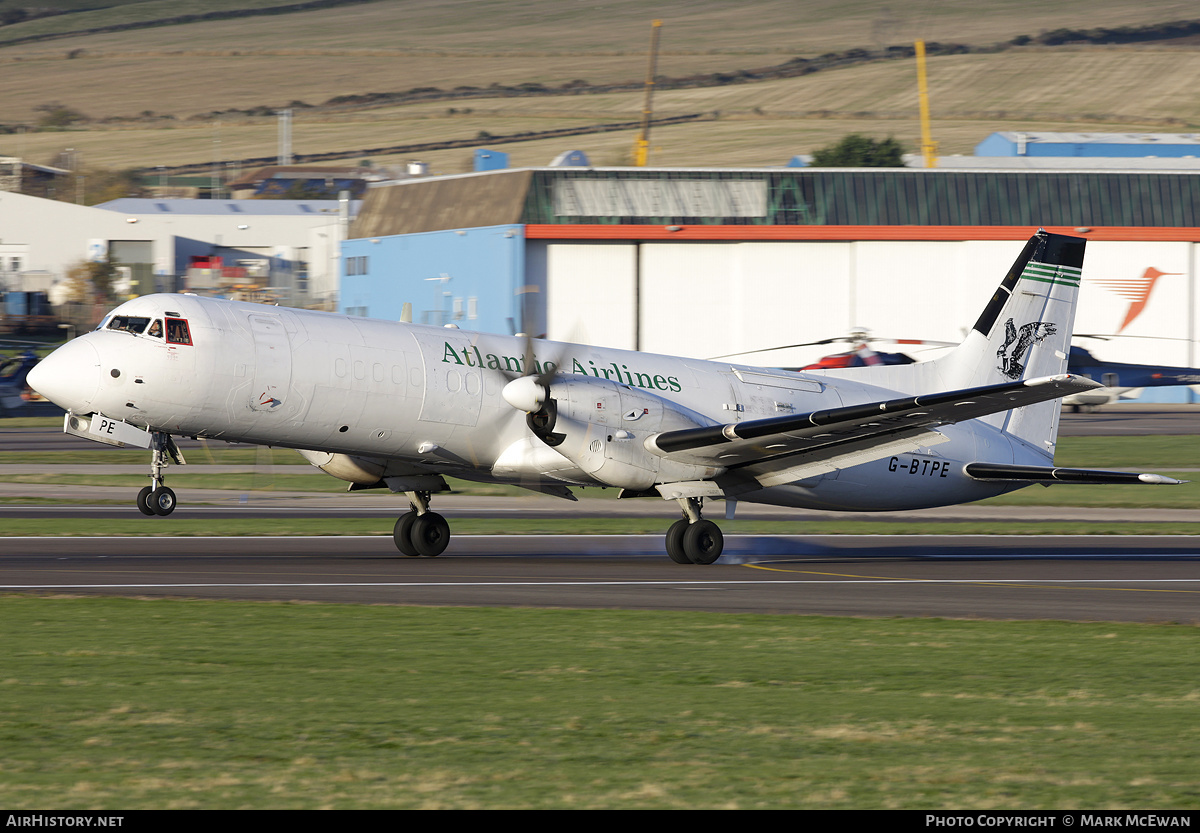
(756, 442)
(831, 458)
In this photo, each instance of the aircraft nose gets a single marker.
(69, 377)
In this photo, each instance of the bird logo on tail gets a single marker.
(1020, 341)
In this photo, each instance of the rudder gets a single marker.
(1025, 332)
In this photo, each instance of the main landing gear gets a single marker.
(420, 531)
(693, 540)
(158, 499)
(690, 540)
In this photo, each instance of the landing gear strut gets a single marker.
(693, 540)
(158, 499)
(420, 531)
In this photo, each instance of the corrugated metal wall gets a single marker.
(871, 197)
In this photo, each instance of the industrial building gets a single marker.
(1095, 145)
(20, 177)
(290, 245)
(706, 263)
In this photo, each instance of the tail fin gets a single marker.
(1024, 332)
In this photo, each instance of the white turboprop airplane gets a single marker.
(397, 405)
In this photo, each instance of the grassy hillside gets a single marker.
(708, 26)
(151, 94)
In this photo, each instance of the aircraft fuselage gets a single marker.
(408, 398)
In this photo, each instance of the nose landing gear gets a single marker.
(158, 499)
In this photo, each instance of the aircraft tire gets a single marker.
(143, 499)
(703, 542)
(402, 534)
(430, 534)
(675, 542)
(162, 501)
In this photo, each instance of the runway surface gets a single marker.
(1083, 578)
(1152, 579)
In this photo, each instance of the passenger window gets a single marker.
(178, 332)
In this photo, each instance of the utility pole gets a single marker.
(285, 137)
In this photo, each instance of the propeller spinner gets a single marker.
(526, 393)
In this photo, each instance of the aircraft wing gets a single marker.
(769, 450)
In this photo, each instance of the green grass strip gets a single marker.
(218, 705)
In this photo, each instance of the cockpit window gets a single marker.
(178, 332)
(128, 323)
(155, 329)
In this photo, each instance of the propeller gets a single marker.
(530, 391)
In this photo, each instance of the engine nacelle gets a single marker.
(358, 470)
(601, 426)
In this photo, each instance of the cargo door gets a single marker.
(272, 363)
(453, 391)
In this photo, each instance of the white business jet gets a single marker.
(400, 406)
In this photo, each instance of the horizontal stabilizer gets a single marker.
(1053, 474)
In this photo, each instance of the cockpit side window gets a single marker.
(156, 329)
(178, 332)
(128, 323)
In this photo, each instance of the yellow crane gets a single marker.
(641, 148)
(928, 145)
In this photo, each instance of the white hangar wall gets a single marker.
(706, 299)
(758, 289)
(593, 299)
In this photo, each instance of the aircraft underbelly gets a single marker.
(925, 474)
(854, 495)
